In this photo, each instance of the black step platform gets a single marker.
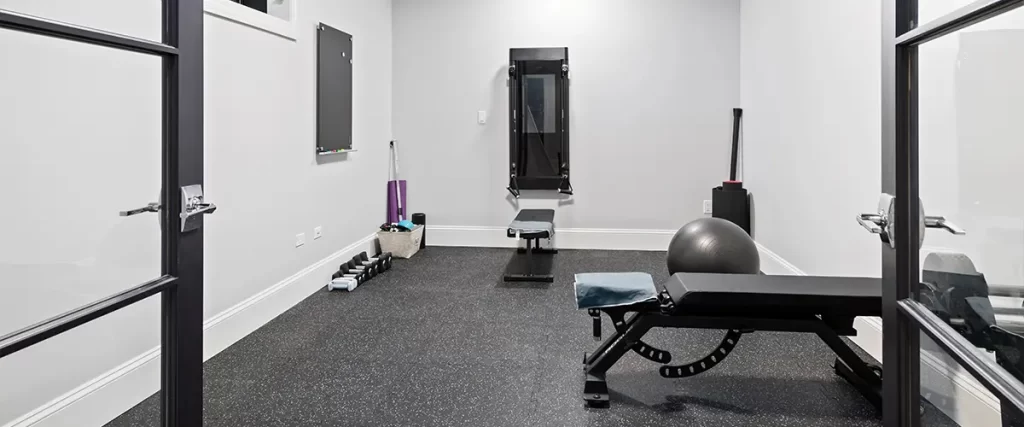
(525, 265)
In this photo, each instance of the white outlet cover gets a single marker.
(318, 233)
(300, 239)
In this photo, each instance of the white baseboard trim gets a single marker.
(956, 393)
(102, 399)
(565, 238)
(965, 400)
(772, 263)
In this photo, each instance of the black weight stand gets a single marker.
(848, 365)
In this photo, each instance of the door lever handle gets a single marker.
(199, 209)
(874, 223)
(193, 207)
(152, 207)
(941, 222)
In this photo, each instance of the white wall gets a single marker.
(811, 94)
(653, 85)
(81, 119)
(811, 98)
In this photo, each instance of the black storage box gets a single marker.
(731, 202)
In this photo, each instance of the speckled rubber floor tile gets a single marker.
(440, 340)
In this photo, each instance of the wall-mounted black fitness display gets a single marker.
(333, 91)
(538, 92)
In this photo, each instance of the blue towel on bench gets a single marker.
(600, 290)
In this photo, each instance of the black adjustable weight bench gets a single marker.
(531, 225)
(825, 306)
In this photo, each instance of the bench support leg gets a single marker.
(866, 378)
(595, 367)
(525, 269)
(852, 368)
(537, 249)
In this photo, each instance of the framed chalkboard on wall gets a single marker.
(333, 91)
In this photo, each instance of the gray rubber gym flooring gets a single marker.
(439, 340)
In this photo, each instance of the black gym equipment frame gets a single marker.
(629, 333)
(181, 282)
(521, 62)
(904, 319)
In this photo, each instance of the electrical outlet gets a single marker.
(300, 239)
(318, 232)
(707, 207)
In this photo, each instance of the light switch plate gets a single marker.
(707, 207)
(318, 232)
(481, 117)
(300, 239)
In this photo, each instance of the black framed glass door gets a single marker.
(176, 202)
(953, 324)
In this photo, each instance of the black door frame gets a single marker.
(181, 282)
(903, 317)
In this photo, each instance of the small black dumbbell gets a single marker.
(368, 268)
(354, 265)
(378, 263)
(386, 257)
(352, 268)
(345, 272)
(347, 268)
(385, 260)
(343, 279)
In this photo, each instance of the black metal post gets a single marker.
(901, 346)
(737, 116)
(182, 325)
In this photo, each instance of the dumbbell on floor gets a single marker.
(352, 269)
(358, 275)
(346, 283)
(374, 266)
(382, 261)
(345, 274)
(345, 279)
(368, 268)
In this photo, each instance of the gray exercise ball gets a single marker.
(713, 245)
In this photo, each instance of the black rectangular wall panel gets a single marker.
(334, 90)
